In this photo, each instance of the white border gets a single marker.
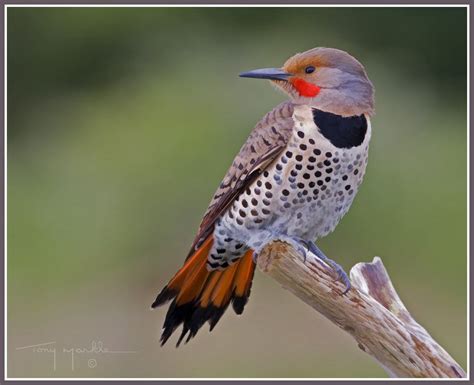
(5, 189)
(468, 116)
(467, 6)
(238, 5)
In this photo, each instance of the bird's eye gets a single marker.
(309, 69)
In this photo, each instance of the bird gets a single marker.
(293, 180)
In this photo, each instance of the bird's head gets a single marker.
(324, 78)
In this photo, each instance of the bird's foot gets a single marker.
(298, 244)
(341, 274)
(302, 247)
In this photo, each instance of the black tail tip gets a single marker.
(164, 296)
(238, 304)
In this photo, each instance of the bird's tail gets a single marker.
(200, 295)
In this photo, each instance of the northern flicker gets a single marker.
(293, 180)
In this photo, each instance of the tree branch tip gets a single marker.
(373, 313)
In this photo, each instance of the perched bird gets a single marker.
(293, 180)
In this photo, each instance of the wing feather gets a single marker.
(269, 137)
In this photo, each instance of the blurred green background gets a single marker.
(121, 123)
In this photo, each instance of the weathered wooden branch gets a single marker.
(371, 311)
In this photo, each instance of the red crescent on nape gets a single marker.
(305, 88)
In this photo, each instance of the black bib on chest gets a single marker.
(342, 132)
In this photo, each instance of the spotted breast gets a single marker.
(302, 193)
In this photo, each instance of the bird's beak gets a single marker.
(266, 73)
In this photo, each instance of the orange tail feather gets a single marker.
(200, 295)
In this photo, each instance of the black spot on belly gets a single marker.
(342, 132)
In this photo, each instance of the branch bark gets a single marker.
(371, 311)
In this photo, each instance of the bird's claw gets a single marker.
(341, 274)
(343, 277)
(303, 247)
